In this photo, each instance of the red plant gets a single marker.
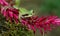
(4, 3)
(43, 23)
(9, 12)
(29, 22)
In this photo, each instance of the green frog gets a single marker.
(23, 13)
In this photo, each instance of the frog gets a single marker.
(24, 13)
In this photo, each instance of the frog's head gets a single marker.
(25, 13)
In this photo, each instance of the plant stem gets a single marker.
(43, 33)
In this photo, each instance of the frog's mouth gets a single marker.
(26, 15)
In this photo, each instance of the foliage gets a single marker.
(15, 30)
(51, 6)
